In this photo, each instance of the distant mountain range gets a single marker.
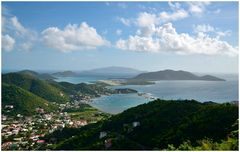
(113, 70)
(174, 75)
(107, 71)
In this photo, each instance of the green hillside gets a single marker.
(83, 88)
(162, 125)
(24, 102)
(38, 87)
(44, 76)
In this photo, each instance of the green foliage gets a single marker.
(86, 89)
(185, 124)
(24, 101)
(39, 87)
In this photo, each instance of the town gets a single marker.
(26, 132)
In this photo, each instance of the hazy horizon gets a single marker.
(83, 70)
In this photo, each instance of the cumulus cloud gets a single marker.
(166, 39)
(24, 38)
(7, 43)
(146, 19)
(73, 37)
(198, 8)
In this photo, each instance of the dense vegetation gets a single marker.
(36, 86)
(44, 76)
(162, 125)
(24, 101)
(174, 75)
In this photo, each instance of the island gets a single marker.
(174, 75)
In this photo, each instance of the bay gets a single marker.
(216, 91)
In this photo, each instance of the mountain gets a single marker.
(24, 102)
(113, 70)
(65, 74)
(36, 86)
(44, 76)
(174, 75)
(157, 125)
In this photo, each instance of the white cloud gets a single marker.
(178, 14)
(146, 19)
(73, 37)
(203, 28)
(166, 39)
(198, 7)
(125, 21)
(17, 26)
(23, 36)
(119, 32)
(223, 33)
(206, 28)
(7, 43)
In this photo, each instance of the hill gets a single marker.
(65, 74)
(113, 70)
(174, 75)
(156, 125)
(24, 102)
(44, 76)
(36, 86)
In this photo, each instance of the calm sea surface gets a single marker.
(217, 91)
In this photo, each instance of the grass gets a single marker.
(88, 113)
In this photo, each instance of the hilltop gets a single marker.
(44, 76)
(65, 74)
(174, 75)
(36, 86)
(113, 70)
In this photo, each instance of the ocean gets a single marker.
(216, 91)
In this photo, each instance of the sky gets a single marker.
(151, 36)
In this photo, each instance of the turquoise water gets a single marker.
(118, 102)
(217, 91)
(83, 79)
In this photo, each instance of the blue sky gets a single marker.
(193, 36)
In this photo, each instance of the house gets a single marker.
(41, 141)
(108, 143)
(4, 118)
(102, 134)
(136, 123)
(19, 115)
(39, 110)
(17, 139)
(6, 145)
(9, 106)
